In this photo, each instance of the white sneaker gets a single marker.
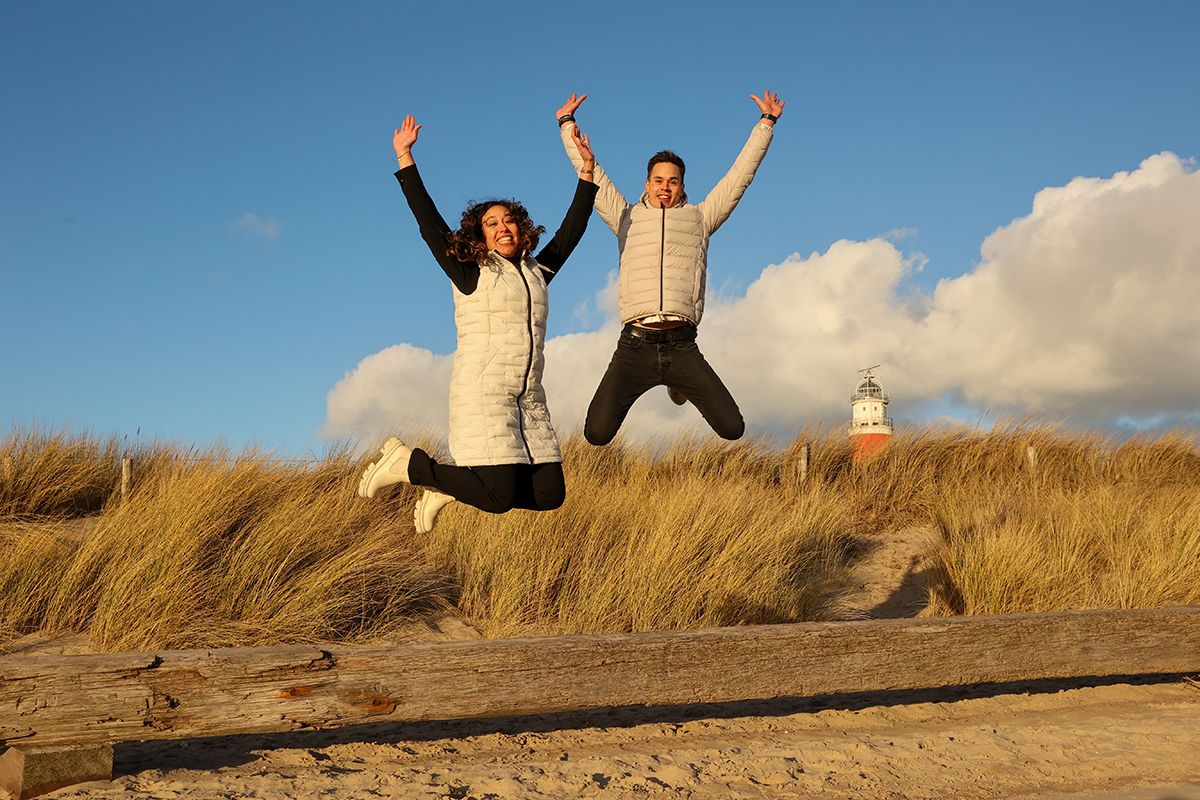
(676, 396)
(425, 514)
(392, 468)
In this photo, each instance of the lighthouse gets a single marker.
(870, 425)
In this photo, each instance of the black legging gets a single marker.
(495, 489)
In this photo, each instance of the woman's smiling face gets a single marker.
(500, 231)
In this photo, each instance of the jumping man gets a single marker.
(663, 242)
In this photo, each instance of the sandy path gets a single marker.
(1139, 741)
(890, 575)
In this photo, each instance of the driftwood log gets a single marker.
(88, 700)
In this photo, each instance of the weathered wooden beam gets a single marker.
(27, 772)
(91, 699)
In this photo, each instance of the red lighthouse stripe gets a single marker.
(864, 444)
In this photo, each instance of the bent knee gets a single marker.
(598, 436)
(552, 499)
(732, 430)
(495, 506)
(500, 503)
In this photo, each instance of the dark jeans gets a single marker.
(496, 489)
(645, 359)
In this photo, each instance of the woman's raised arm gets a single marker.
(433, 227)
(556, 252)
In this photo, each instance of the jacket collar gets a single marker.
(493, 260)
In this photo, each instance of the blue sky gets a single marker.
(200, 234)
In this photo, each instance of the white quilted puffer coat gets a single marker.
(498, 412)
(664, 252)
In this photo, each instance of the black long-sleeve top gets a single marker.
(465, 275)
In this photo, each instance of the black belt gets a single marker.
(684, 333)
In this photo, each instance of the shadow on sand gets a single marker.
(215, 752)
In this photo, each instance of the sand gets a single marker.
(890, 574)
(1035, 741)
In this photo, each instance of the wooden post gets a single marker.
(27, 772)
(1031, 457)
(802, 462)
(126, 477)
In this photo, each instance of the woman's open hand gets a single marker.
(568, 108)
(584, 146)
(405, 136)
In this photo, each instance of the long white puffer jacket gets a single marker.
(664, 252)
(498, 412)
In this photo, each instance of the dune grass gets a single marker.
(216, 548)
(704, 535)
(1094, 525)
(1034, 518)
(56, 475)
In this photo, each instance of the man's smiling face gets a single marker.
(664, 187)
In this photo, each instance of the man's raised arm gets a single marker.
(611, 205)
(724, 197)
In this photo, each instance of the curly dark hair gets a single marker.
(466, 243)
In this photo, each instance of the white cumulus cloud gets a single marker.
(1084, 309)
(401, 389)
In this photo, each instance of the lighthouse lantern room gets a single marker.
(870, 425)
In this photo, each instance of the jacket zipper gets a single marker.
(662, 254)
(528, 362)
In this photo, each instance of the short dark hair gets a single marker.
(466, 243)
(665, 157)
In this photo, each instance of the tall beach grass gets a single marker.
(218, 548)
(703, 535)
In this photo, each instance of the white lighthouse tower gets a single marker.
(870, 425)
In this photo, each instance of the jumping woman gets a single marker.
(505, 451)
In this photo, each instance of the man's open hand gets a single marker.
(568, 108)
(768, 104)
